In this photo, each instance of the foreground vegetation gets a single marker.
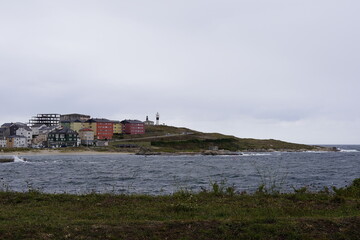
(215, 213)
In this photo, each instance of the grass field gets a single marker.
(168, 139)
(174, 139)
(215, 213)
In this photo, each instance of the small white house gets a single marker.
(2, 142)
(17, 142)
(25, 132)
(36, 128)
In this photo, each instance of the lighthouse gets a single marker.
(157, 118)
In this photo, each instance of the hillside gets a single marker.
(175, 139)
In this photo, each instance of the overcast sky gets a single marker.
(281, 69)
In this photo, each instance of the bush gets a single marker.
(220, 189)
(351, 191)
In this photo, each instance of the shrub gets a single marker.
(351, 191)
(220, 189)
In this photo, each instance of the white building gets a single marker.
(2, 142)
(25, 132)
(148, 122)
(36, 129)
(17, 142)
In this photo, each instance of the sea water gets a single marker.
(160, 175)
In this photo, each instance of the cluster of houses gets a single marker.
(55, 130)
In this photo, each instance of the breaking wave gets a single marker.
(18, 159)
(256, 154)
(348, 150)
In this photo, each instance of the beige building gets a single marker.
(39, 140)
(117, 126)
(86, 136)
(91, 125)
(77, 125)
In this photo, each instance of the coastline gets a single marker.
(59, 152)
(93, 152)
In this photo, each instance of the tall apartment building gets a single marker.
(74, 117)
(103, 128)
(49, 119)
(133, 127)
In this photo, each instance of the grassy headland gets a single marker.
(215, 213)
(175, 140)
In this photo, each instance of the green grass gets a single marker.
(229, 143)
(186, 140)
(215, 213)
(137, 143)
(17, 149)
(168, 139)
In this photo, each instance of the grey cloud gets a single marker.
(264, 69)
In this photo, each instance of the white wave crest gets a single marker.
(348, 150)
(256, 154)
(18, 159)
(316, 151)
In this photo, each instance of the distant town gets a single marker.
(67, 130)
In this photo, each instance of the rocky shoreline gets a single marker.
(147, 152)
(6, 160)
(239, 153)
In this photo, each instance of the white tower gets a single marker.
(157, 118)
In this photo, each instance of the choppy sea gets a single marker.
(161, 175)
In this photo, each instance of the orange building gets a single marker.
(103, 128)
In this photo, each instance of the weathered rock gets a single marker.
(6, 160)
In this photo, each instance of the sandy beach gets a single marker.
(58, 152)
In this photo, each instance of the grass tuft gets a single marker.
(217, 213)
